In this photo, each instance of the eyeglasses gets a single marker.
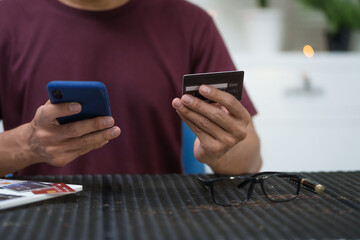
(277, 187)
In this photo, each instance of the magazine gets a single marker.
(19, 192)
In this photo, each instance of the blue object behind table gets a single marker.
(191, 165)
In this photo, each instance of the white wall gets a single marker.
(306, 130)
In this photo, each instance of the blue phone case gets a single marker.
(92, 96)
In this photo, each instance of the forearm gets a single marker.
(15, 153)
(242, 158)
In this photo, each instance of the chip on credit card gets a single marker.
(230, 81)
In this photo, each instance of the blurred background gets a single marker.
(308, 102)
(307, 98)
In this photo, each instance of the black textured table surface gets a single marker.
(177, 207)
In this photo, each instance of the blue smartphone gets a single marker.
(91, 95)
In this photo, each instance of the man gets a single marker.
(140, 49)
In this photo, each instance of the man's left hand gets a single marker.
(218, 127)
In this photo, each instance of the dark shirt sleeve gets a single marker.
(210, 54)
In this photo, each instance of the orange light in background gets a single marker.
(308, 51)
(212, 13)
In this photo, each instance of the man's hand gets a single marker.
(56, 144)
(219, 128)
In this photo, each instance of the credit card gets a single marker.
(231, 82)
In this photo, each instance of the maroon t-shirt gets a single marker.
(140, 51)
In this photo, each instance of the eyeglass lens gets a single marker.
(280, 188)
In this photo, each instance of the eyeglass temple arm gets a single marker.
(202, 182)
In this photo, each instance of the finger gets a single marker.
(187, 115)
(81, 151)
(62, 153)
(52, 111)
(210, 111)
(202, 125)
(91, 140)
(80, 128)
(66, 157)
(201, 134)
(208, 144)
(225, 99)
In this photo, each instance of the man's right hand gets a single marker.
(45, 140)
(56, 144)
